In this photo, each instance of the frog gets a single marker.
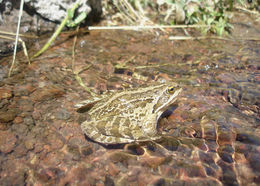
(129, 115)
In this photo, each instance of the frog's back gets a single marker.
(126, 103)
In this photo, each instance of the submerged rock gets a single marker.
(7, 142)
(6, 116)
(5, 93)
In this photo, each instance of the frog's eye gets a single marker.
(171, 90)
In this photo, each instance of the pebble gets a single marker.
(29, 121)
(7, 141)
(18, 120)
(3, 103)
(29, 144)
(5, 93)
(113, 169)
(47, 93)
(63, 114)
(6, 116)
(86, 150)
(20, 129)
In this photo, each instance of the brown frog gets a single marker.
(129, 115)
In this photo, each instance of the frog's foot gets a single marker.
(92, 133)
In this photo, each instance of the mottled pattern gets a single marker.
(129, 115)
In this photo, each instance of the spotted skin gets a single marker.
(130, 115)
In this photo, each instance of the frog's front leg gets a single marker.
(149, 127)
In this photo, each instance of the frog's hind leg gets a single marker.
(92, 133)
(112, 140)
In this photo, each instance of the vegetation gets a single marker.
(67, 21)
(215, 14)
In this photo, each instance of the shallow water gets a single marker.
(211, 138)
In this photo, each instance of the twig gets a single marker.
(143, 27)
(210, 37)
(151, 66)
(23, 44)
(248, 11)
(197, 38)
(73, 50)
(249, 39)
(125, 62)
(21, 35)
(6, 37)
(17, 37)
(25, 51)
(76, 73)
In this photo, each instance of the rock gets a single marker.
(74, 152)
(113, 169)
(29, 121)
(17, 77)
(228, 175)
(153, 161)
(7, 141)
(18, 120)
(3, 103)
(20, 150)
(8, 22)
(122, 157)
(7, 116)
(20, 129)
(159, 181)
(16, 177)
(47, 93)
(55, 10)
(226, 157)
(3, 70)
(3, 126)
(29, 144)
(23, 90)
(48, 14)
(226, 78)
(248, 138)
(254, 161)
(25, 105)
(55, 140)
(109, 181)
(63, 114)
(5, 93)
(86, 150)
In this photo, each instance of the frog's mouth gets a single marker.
(166, 104)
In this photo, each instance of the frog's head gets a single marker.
(165, 97)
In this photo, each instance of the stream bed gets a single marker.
(213, 134)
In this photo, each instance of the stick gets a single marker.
(21, 35)
(17, 37)
(143, 27)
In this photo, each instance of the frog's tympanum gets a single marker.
(129, 115)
